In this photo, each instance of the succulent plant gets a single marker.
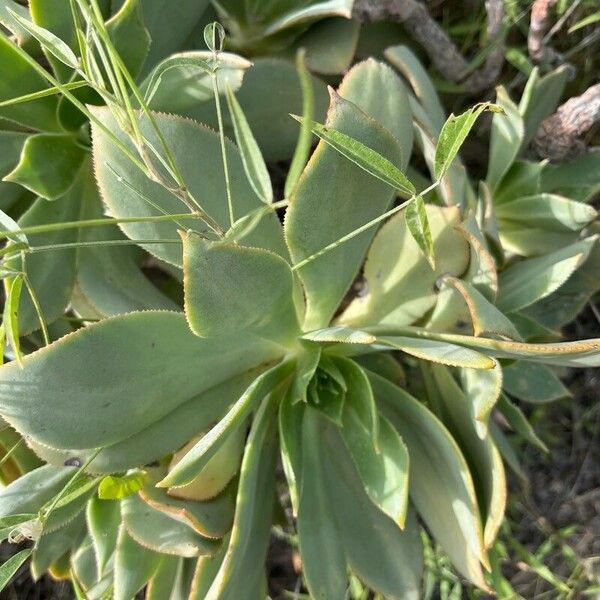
(366, 361)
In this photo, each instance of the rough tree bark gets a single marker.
(559, 136)
(538, 27)
(436, 42)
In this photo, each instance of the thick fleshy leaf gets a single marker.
(11, 144)
(20, 78)
(103, 519)
(383, 470)
(52, 546)
(340, 335)
(84, 571)
(441, 486)
(400, 282)
(507, 135)
(483, 388)
(454, 133)
(129, 34)
(216, 473)
(37, 488)
(90, 407)
(411, 68)
(365, 529)
(439, 352)
(576, 178)
(205, 572)
(330, 45)
(519, 424)
(162, 437)
(231, 288)
(250, 25)
(159, 532)
(197, 457)
(129, 193)
(211, 518)
(378, 91)
(417, 222)
(242, 569)
(183, 80)
(311, 224)
(548, 211)
(49, 165)
(270, 92)
(486, 318)
(543, 100)
(533, 383)
(455, 410)
(580, 353)
(530, 280)
(134, 566)
(171, 581)
(109, 277)
(183, 17)
(318, 534)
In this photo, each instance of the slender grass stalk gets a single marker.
(11, 451)
(362, 229)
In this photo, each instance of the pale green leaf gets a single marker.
(339, 335)
(439, 352)
(585, 22)
(533, 383)
(49, 165)
(441, 486)
(19, 78)
(134, 566)
(128, 192)
(242, 567)
(364, 529)
(377, 90)
(251, 289)
(519, 424)
(400, 283)
(507, 135)
(530, 280)
(85, 407)
(311, 224)
(184, 80)
(159, 532)
(196, 458)
(417, 222)
(12, 288)
(103, 518)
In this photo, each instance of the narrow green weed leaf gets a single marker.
(418, 225)
(12, 565)
(437, 352)
(116, 488)
(363, 156)
(254, 163)
(303, 144)
(13, 288)
(519, 423)
(197, 458)
(454, 133)
(50, 42)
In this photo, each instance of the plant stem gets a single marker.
(362, 229)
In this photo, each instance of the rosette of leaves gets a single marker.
(177, 420)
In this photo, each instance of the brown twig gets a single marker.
(538, 26)
(559, 135)
(436, 42)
